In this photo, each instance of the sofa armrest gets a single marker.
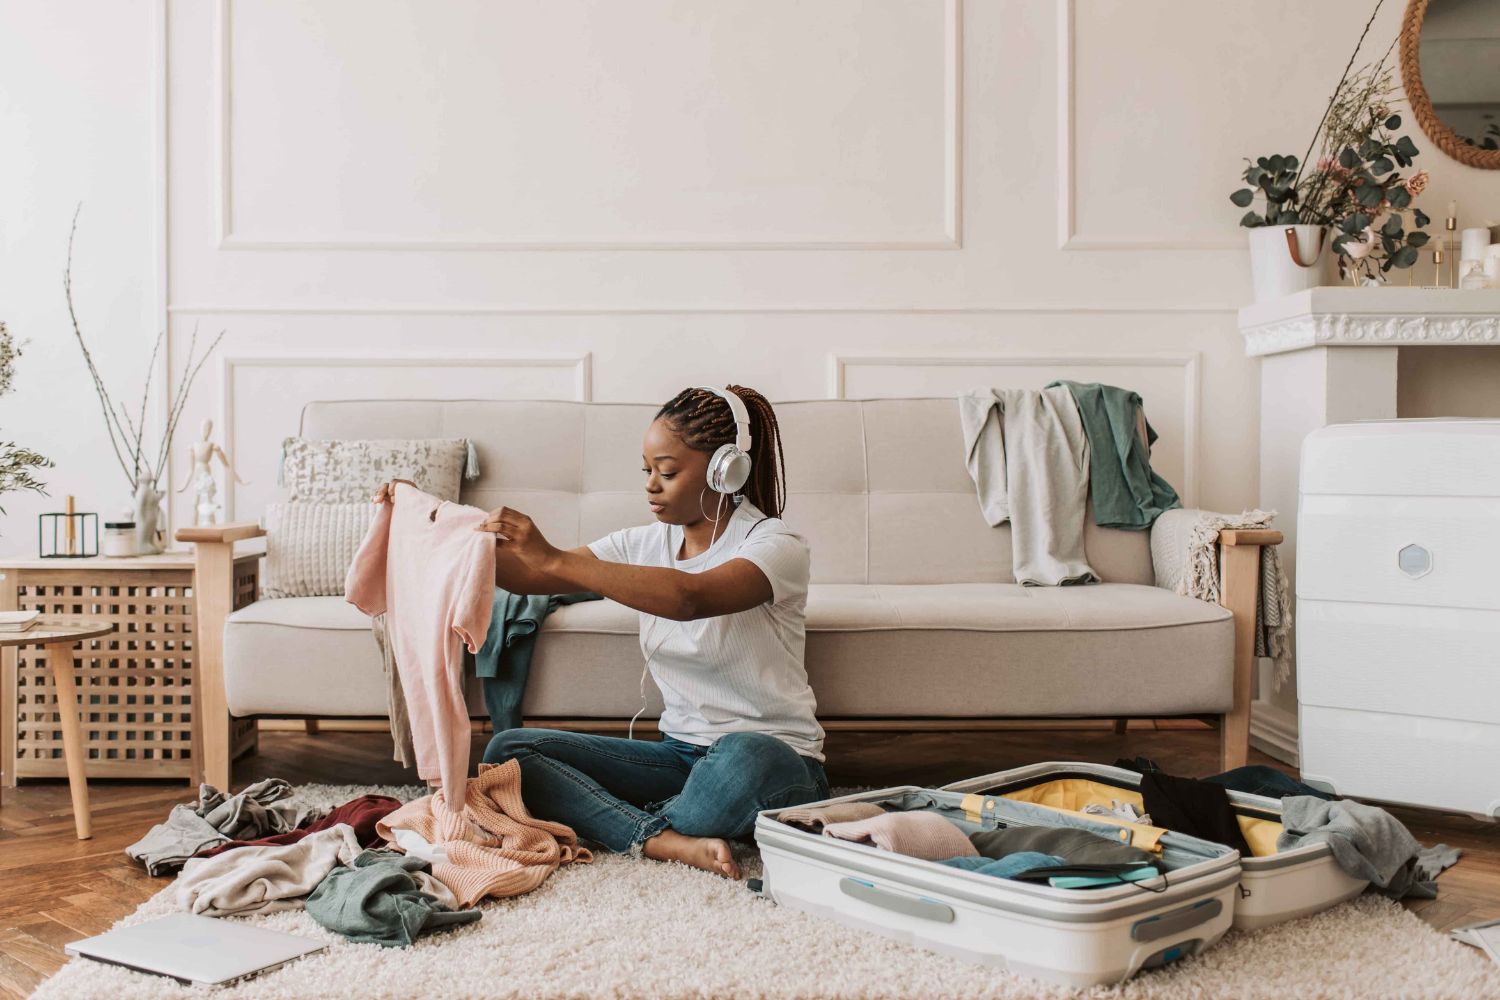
(223, 533)
(213, 597)
(1238, 587)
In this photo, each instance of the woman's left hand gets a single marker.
(517, 533)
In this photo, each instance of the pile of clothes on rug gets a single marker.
(371, 869)
(1367, 842)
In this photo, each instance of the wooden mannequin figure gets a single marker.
(207, 509)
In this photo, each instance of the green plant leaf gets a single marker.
(1422, 217)
(1348, 159)
(1243, 197)
(1392, 225)
(1370, 148)
(1250, 220)
(1393, 122)
(1369, 195)
(1405, 146)
(1286, 219)
(1388, 244)
(1291, 163)
(1405, 257)
(1417, 239)
(1398, 196)
(1381, 165)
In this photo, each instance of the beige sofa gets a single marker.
(911, 613)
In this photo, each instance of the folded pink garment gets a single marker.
(922, 835)
(839, 812)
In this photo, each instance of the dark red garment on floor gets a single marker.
(361, 813)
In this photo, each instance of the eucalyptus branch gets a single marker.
(110, 421)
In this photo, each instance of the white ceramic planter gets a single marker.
(1274, 271)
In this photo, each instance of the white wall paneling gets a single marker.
(567, 125)
(261, 399)
(1168, 382)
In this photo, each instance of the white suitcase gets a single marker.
(1274, 886)
(1398, 612)
(1074, 937)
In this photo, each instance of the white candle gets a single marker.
(1452, 209)
(1476, 243)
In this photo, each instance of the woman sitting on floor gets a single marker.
(723, 601)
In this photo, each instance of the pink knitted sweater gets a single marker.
(424, 566)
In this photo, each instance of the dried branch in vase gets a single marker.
(127, 434)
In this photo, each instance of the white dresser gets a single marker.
(1398, 612)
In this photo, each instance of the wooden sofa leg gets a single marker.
(1120, 726)
(310, 726)
(1241, 565)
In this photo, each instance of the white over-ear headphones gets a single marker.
(729, 468)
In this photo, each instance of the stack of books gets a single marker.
(18, 621)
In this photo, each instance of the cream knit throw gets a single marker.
(1273, 610)
(495, 847)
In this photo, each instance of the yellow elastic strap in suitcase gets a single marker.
(1072, 794)
(1147, 838)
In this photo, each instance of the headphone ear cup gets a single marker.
(736, 470)
(718, 463)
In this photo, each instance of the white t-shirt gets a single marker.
(737, 673)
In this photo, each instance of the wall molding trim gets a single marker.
(952, 224)
(1273, 730)
(442, 309)
(1188, 362)
(581, 365)
(1068, 236)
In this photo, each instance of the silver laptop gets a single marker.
(193, 949)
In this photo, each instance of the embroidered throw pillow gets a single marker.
(348, 471)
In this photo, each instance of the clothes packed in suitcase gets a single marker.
(1047, 871)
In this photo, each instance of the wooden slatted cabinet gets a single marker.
(137, 687)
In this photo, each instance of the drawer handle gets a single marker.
(899, 902)
(1163, 924)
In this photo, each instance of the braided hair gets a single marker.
(704, 421)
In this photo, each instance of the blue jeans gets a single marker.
(621, 793)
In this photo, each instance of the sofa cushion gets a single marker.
(970, 649)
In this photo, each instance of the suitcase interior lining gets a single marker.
(1073, 792)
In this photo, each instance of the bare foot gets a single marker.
(708, 853)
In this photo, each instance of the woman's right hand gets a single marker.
(387, 491)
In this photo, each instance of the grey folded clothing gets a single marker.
(1077, 847)
(820, 816)
(257, 811)
(1367, 842)
(385, 898)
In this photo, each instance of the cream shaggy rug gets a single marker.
(623, 928)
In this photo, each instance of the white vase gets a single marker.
(1286, 259)
(147, 507)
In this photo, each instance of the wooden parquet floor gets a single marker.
(61, 889)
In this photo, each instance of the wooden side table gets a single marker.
(138, 685)
(56, 638)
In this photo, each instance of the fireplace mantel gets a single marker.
(1372, 317)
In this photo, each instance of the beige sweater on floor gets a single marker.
(494, 846)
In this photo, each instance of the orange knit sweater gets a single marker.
(494, 846)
